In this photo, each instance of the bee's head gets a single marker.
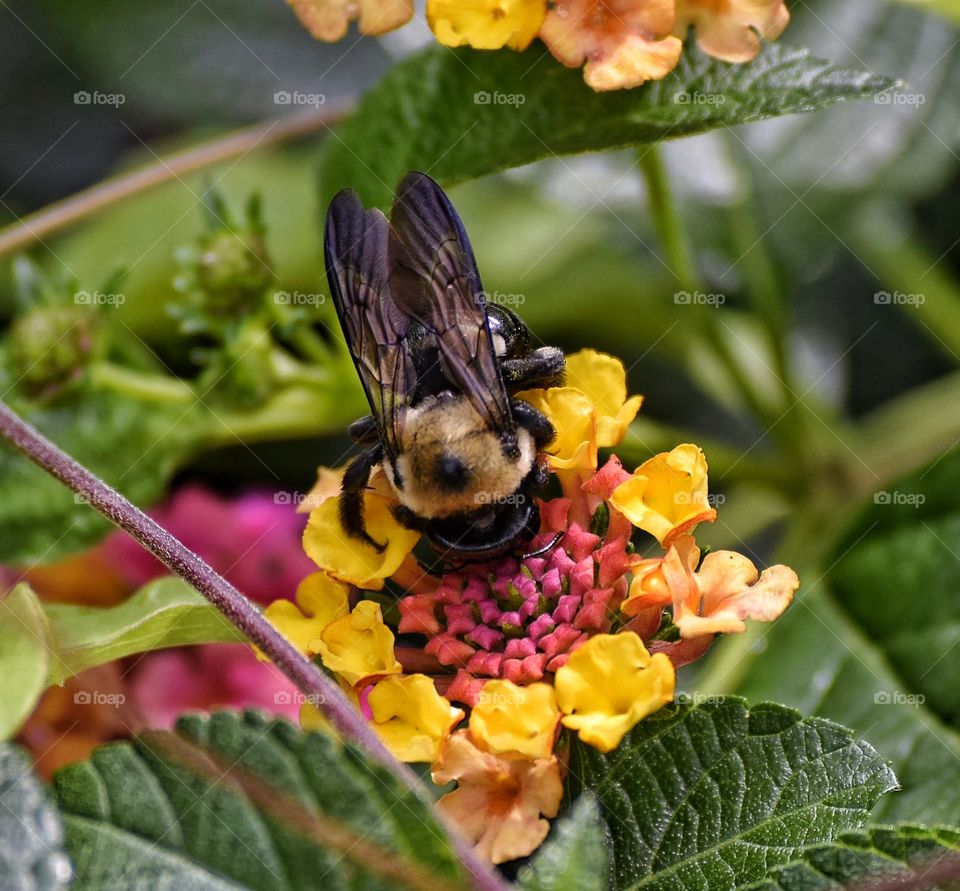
(488, 532)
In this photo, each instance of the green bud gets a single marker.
(51, 347)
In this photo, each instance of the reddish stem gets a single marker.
(226, 598)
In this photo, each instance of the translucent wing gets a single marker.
(434, 279)
(356, 255)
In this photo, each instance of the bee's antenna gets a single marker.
(549, 546)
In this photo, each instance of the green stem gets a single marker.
(917, 284)
(144, 386)
(679, 255)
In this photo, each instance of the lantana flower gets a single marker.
(486, 24)
(503, 659)
(732, 29)
(329, 19)
(501, 799)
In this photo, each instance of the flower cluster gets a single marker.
(620, 43)
(500, 660)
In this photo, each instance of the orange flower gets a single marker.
(624, 43)
(729, 29)
(329, 19)
(726, 590)
(501, 799)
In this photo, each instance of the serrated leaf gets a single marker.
(714, 796)
(462, 114)
(24, 656)
(880, 854)
(242, 801)
(32, 857)
(164, 613)
(882, 658)
(575, 855)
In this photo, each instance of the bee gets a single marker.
(439, 366)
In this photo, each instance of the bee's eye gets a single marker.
(452, 473)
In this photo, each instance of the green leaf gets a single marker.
(877, 639)
(574, 857)
(135, 446)
(712, 797)
(463, 113)
(31, 833)
(164, 613)
(880, 854)
(24, 657)
(242, 801)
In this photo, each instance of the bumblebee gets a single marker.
(439, 366)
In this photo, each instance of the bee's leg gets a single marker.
(534, 421)
(364, 431)
(539, 368)
(355, 479)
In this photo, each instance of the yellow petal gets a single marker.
(511, 718)
(411, 717)
(610, 684)
(359, 646)
(575, 420)
(486, 24)
(320, 600)
(667, 495)
(500, 800)
(328, 19)
(333, 550)
(602, 379)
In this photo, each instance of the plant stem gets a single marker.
(144, 386)
(37, 226)
(234, 606)
(676, 245)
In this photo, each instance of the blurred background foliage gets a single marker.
(799, 223)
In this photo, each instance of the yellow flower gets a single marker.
(623, 42)
(411, 717)
(602, 379)
(609, 684)
(320, 600)
(359, 646)
(572, 414)
(731, 29)
(327, 486)
(499, 799)
(667, 495)
(510, 718)
(328, 19)
(725, 590)
(354, 561)
(486, 24)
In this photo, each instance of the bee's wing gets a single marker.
(434, 279)
(356, 255)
